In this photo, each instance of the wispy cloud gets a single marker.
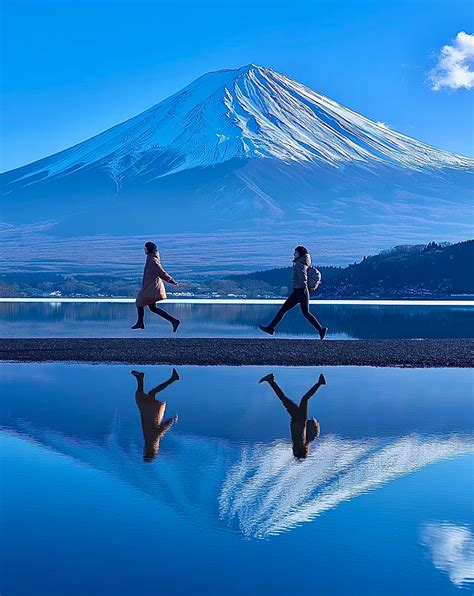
(452, 550)
(454, 69)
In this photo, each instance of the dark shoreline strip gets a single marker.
(238, 352)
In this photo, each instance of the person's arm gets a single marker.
(160, 272)
(166, 425)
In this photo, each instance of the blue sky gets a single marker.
(73, 68)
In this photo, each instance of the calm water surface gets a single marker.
(57, 319)
(100, 499)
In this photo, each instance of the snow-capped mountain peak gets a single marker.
(250, 112)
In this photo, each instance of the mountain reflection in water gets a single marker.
(258, 489)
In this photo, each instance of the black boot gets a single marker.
(267, 329)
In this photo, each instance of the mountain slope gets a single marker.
(432, 270)
(251, 112)
(241, 156)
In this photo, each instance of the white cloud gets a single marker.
(452, 550)
(454, 69)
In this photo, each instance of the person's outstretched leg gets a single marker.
(140, 318)
(303, 407)
(162, 313)
(140, 378)
(304, 303)
(290, 405)
(174, 377)
(289, 303)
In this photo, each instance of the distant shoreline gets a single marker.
(424, 353)
(250, 301)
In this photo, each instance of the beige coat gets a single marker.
(153, 288)
(152, 412)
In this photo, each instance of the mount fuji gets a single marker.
(239, 158)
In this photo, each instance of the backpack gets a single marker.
(314, 278)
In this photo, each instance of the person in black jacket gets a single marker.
(299, 295)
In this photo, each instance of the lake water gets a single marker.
(217, 504)
(82, 319)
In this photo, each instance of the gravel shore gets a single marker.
(238, 352)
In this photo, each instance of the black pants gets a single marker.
(299, 296)
(156, 310)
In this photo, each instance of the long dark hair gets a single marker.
(151, 247)
(302, 251)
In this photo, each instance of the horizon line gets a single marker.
(250, 301)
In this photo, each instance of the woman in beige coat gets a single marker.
(153, 288)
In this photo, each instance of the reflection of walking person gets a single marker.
(152, 412)
(153, 288)
(299, 295)
(303, 431)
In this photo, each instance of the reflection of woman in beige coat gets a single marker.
(152, 412)
(153, 288)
